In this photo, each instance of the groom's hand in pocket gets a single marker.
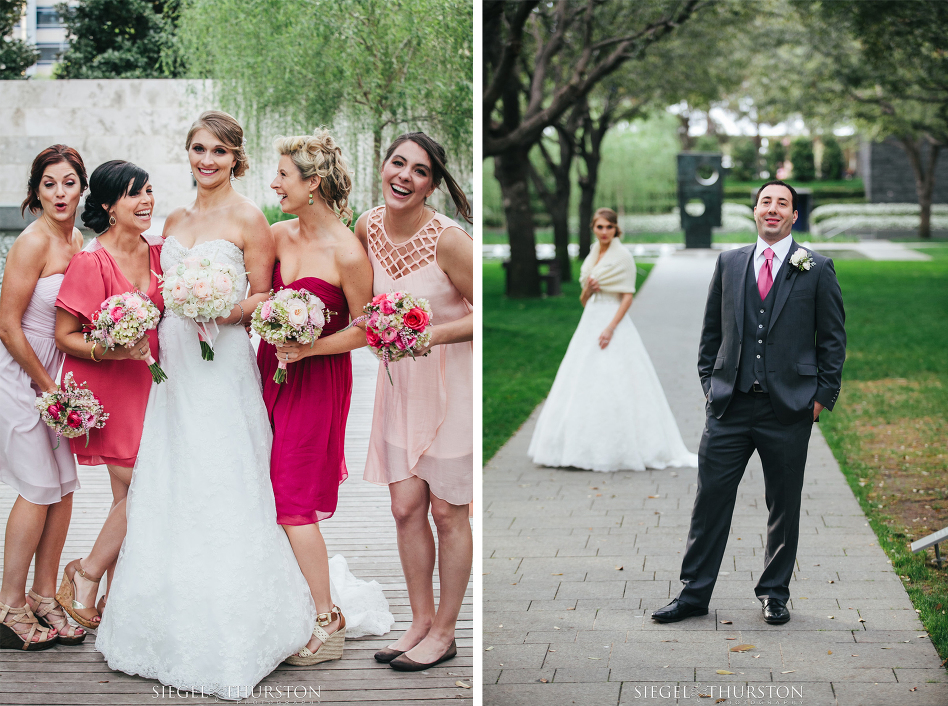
(817, 408)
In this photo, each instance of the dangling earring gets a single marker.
(111, 220)
(310, 199)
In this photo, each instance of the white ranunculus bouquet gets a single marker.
(290, 315)
(202, 290)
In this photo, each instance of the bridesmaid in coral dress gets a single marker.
(422, 440)
(42, 473)
(308, 411)
(120, 259)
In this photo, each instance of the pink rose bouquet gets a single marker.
(396, 325)
(71, 411)
(289, 315)
(122, 320)
(202, 290)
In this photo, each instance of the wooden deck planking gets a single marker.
(362, 530)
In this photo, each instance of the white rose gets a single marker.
(190, 310)
(190, 277)
(296, 312)
(219, 305)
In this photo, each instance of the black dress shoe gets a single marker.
(676, 610)
(387, 654)
(775, 611)
(406, 664)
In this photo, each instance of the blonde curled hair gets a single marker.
(609, 215)
(319, 155)
(225, 128)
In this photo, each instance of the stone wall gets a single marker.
(146, 122)
(889, 177)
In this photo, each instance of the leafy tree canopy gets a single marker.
(15, 55)
(120, 39)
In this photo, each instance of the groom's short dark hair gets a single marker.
(793, 193)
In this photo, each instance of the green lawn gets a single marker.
(530, 337)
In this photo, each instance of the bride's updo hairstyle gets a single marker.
(225, 128)
(609, 215)
(108, 183)
(319, 155)
(439, 171)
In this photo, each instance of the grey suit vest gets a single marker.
(753, 363)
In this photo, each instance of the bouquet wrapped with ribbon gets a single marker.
(201, 290)
(122, 320)
(396, 325)
(72, 410)
(289, 315)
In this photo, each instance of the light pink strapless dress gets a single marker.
(28, 462)
(423, 424)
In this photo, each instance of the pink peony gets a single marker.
(416, 319)
(202, 289)
(179, 292)
(386, 306)
(266, 310)
(74, 420)
(223, 284)
(378, 299)
(400, 343)
(116, 313)
(54, 410)
(141, 314)
(317, 318)
(191, 263)
(374, 319)
(373, 338)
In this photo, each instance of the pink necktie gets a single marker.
(765, 280)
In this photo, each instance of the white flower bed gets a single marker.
(735, 218)
(840, 224)
(822, 213)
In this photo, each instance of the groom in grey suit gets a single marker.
(770, 360)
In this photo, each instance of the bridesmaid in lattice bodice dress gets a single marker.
(422, 438)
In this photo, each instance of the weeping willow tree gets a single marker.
(383, 66)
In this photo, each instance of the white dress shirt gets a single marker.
(781, 250)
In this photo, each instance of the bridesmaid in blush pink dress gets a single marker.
(42, 474)
(120, 259)
(422, 440)
(308, 411)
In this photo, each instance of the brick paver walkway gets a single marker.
(575, 562)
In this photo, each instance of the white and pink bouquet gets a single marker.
(396, 325)
(71, 411)
(122, 320)
(289, 315)
(202, 290)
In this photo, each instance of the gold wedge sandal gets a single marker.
(332, 644)
(66, 595)
(50, 614)
(11, 639)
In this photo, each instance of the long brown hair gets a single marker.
(439, 171)
(48, 157)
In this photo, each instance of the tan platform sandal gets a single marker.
(50, 614)
(332, 644)
(11, 639)
(66, 595)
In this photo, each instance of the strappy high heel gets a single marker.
(48, 611)
(10, 639)
(66, 595)
(332, 644)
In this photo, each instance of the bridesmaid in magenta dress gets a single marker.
(42, 473)
(308, 411)
(121, 259)
(422, 440)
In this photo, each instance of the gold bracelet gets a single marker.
(92, 352)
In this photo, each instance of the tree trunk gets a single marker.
(556, 200)
(376, 165)
(512, 171)
(924, 178)
(587, 197)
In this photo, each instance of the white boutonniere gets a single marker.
(802, 260)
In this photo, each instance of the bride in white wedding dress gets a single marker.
(207, 594)
(606, 410)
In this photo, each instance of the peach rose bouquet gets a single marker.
(396, 325)
(289, 315)
(202, 290)
(71, 411)
(122, 320)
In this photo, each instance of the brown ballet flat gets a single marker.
(387, 655)
(406, 664)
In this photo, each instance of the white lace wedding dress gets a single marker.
(606, 410)
(207, 593)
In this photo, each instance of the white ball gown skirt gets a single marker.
(606, 410)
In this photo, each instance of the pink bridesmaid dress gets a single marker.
(28, 462)
(423, 424)
(308, 413)
(122, 386)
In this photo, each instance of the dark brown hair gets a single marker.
(777, 182)
(225, 128)
(439, 171)
(110, 182)
(609, 215)
(48, 157)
